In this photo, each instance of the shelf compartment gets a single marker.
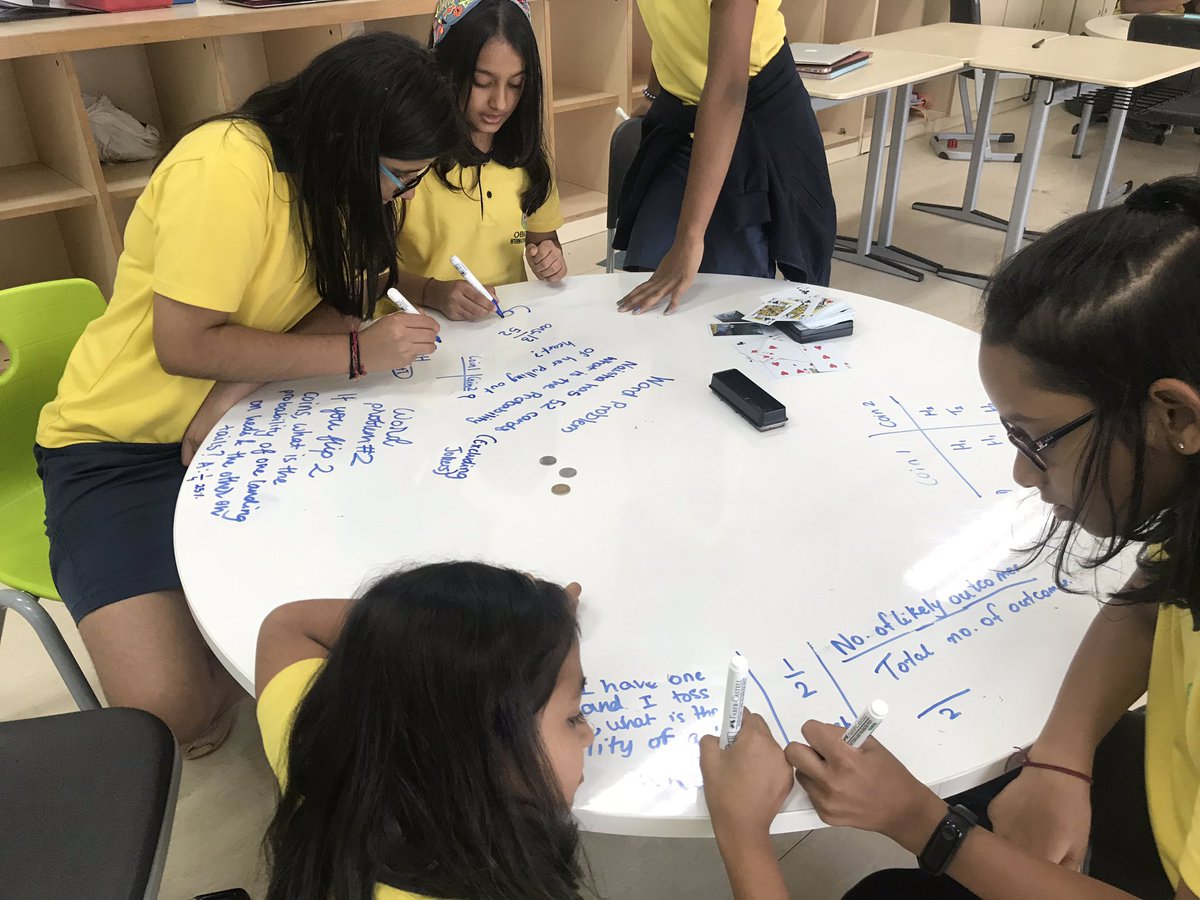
(578, 201)
(33, 188)
(127, 180)
(568, 98)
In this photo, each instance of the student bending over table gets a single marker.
(251, 256)
(731, 176)
(494, 202)
(429, 743)
(1089, 354)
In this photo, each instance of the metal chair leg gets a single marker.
(1085, 121)
(29, 609)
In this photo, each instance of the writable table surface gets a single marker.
(1083, 59)
(1114, 27)
(861, 551)
(956, 39)
(887, 69)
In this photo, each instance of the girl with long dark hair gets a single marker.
(1089, 353)
(261, 241)
(494, 201)
(429, 742)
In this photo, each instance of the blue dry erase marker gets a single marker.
(461, 268)
(401, 301)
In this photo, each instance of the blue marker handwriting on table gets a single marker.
(292, 436)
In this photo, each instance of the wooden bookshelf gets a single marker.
(62, 213)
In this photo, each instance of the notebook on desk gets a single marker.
(22, 10)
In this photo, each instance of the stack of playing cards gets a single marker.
(788, 334)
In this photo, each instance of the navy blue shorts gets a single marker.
(110, 516)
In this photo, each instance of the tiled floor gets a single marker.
(226, 799)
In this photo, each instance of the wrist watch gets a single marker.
(946, 839)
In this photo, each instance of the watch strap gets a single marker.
(943, 844)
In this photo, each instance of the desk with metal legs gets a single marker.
(1073, 60)
(889, 77)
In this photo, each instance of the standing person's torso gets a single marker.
(679, 31)
(214, 228)
(482, 223)
(1173, 744)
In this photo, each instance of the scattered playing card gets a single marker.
(769, 312)
(732, 316)
(826, 357)
(735, 329)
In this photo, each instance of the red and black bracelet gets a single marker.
(356, 368)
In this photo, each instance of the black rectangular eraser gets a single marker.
(750, 401)
(812, 335)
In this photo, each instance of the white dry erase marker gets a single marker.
(474, 282)
(735, 699)
(622, 115)
(856, 735)
(405, 306)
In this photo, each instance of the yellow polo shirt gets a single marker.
(679, 32)
(277, 706)
(214, 228)
(1173, 745)
(482, 224)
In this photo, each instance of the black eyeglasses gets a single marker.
(1033, 449)
(404, 186)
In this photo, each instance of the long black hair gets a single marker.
(1104, 305)
(415, 758)
(376, 94)
(520, 143)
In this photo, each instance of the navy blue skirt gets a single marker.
(110, 516)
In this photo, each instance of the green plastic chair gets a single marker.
(39, 323)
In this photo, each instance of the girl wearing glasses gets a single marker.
(1089, 353)
(261, 241)
(493, 202)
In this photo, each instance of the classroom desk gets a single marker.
(889, 76)
(861, 551)
(1074, 60)
(1113, 27)
(965, 42)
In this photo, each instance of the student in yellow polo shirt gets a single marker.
(730, 177)
(429, 740)
(251, 256)
(494, 204)
(1089, 354)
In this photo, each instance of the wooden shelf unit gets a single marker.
(62, 213)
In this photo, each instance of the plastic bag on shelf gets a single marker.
(119, 136)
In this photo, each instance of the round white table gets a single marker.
(861, 551)
(1115, 27)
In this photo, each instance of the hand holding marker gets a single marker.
(735, 700)
(474, 282)
(405, 306)
(864, 726)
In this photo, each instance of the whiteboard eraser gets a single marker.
(748, 400)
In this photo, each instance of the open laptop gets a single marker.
(821, 54)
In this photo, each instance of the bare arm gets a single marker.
(718, 121)
(224, 395)
(305, 629)
(204, 343)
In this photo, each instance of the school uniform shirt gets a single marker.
(482, 224)
(277, 707)
(679, 30)
(1173, 745)
(214, 228)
